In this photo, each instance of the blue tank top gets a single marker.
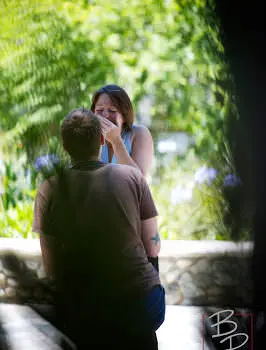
(126, 137)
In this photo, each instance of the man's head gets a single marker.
(81, 134)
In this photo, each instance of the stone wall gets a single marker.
(192, 272)
(206, 273)
(10, 288)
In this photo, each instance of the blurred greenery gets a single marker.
(55, 54)
(16, 198)
(189, 209)
(16, 222)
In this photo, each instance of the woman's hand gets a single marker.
(111, 131)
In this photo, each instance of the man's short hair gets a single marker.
(81, 134)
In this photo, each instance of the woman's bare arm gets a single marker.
(142, 149)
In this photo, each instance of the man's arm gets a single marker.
(149, 228)
(150, 237)
(46, 241)
(47, 246)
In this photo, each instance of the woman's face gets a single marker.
(105, 108)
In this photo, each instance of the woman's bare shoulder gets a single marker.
(141, 131)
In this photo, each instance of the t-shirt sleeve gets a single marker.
(148, 209)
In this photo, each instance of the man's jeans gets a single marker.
(155, 303)
(130, 324)
(123, 323)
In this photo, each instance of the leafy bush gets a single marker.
(16, 222)
(190, 199)
(16, 198)
(57, 53)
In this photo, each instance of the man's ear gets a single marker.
(102, 140)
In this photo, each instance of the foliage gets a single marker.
(18, 182)
(191, 202)
(56, 53)
(16, 199)
(16, 222)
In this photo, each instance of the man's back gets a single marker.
(95, 217)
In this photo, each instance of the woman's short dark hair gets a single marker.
(81, 134)
(120, 100)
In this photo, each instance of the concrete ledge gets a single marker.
(168, 248)
(20, 245)
(199, 248)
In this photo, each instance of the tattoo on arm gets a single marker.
(156, 238)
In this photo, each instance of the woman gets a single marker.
(126, 143)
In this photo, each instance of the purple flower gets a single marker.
(231, 180)
(46, 161)
(205, 175)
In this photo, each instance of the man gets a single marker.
(97, 225)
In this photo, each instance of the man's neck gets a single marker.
(90, 159)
